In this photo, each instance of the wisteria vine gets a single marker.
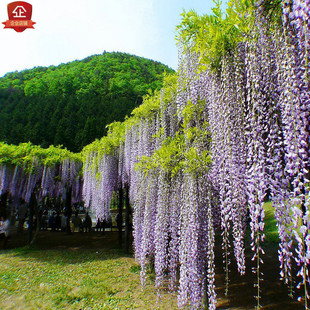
(25, 169)
(202, 156)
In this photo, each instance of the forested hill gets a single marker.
(71, 104)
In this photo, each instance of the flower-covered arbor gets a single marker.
(202, 155)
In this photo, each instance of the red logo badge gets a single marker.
(19, 16)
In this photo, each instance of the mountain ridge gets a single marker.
(71, 104)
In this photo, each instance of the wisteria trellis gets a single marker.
(255, 108)
(206, 155)
(46, 180)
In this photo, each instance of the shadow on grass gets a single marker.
(61, 248)
(241, 292)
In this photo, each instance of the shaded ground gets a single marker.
(61, 240)
(241, 290)
(274, 293)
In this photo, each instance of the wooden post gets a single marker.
(3, 202)
(36, 212)
(127, 219)
(32, 203)
(120, 216)
(68, 209)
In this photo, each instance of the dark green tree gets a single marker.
(72, 104)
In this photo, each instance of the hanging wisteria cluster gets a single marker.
(203, 155)
(100, 179)
(54, 179)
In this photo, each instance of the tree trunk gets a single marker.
(32, 203)
(69, 209)
(127, 219)
(3, 202)
(36, 233)
(120, 216)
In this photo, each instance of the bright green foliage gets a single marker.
(116, 131)
(25, 154)
(150, 106)
(71, 104)
(152, 102)
(173, 156)
(109, 143)
(211, 36)
(170, 156)
(180, 152)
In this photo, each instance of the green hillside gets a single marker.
(71, 104)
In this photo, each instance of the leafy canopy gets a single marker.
(25, 154)
(72, 104)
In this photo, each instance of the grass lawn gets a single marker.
(87, 271)
(271, 229)
(75, 279)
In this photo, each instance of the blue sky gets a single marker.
(74, 29)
